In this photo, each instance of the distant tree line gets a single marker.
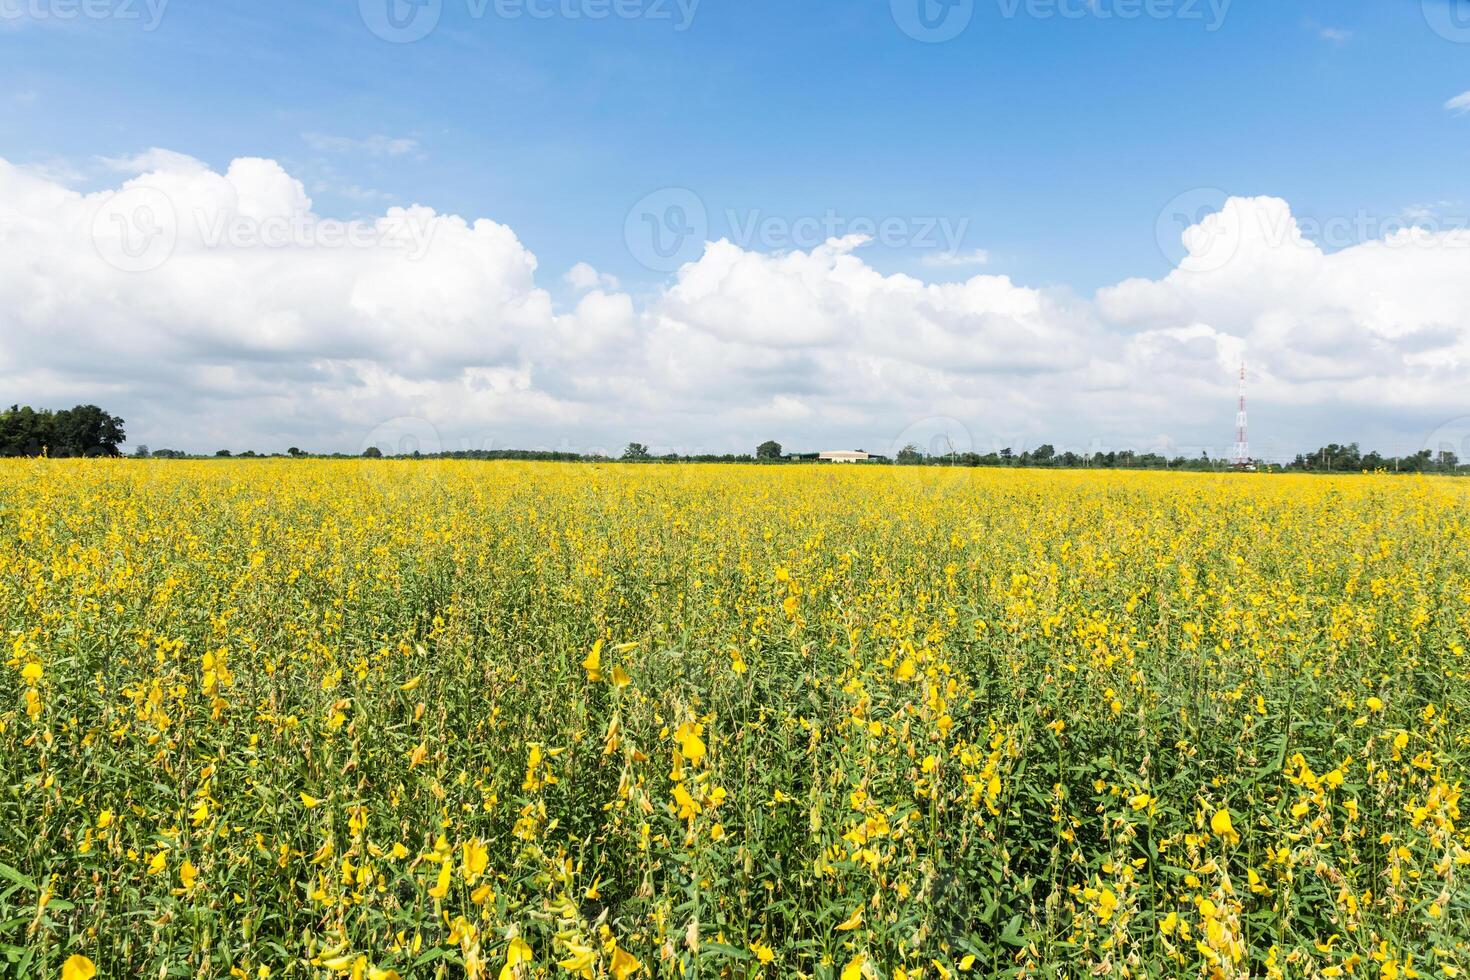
(1046, 456)
(85, 430)
(1333, 458)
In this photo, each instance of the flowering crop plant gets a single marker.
(395, 718)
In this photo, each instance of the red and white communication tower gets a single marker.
(1242, 444)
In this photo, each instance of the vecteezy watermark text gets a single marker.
(148, 13)
(935, 21)
(140, 228)
(753, 229)
(406, 21)
(1204, 229)
(670, 227)
(1210, 13)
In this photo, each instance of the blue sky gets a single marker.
(1057, 139)
(1033, 173)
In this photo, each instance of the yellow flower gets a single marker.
(1221, 825)
(78, 967)
(854, 968)
(476, 859)
(446, 871)
(157, 863)
(515, 954)
(691, 746)
(853, 921)
(763, 953)
(580, 959)
(309, 801)
(623, 964)
(593, 663)
(688, 807)
(187, 874)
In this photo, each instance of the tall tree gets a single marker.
(85, 430)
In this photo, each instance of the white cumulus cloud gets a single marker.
(218, 309)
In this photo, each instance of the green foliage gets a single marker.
(85, 430)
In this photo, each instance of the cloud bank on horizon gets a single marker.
(219, 310)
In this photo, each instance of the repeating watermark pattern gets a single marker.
(148, 14)
(406, 435)
(1195, 232)
(936, 21)
(136, 230)
(754, 229)
(934, 437)
(406, 21)
(401, 21)
(1450, 19)
(140, 228)
(403, 232)
(1449, 443)
(932, 21)
(668, 228)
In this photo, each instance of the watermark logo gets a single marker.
(147, 13)
(937, 437)
(406, 435)
(1448, 445)
(1196, 232)
(401, 21)
(1450, 19)
(666, 229)
(136, 229)
(932, 21)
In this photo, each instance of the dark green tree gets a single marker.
(85, 430)
(770, 449)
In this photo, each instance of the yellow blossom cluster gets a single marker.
(377, 719)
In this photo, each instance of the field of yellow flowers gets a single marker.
(388, 718)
